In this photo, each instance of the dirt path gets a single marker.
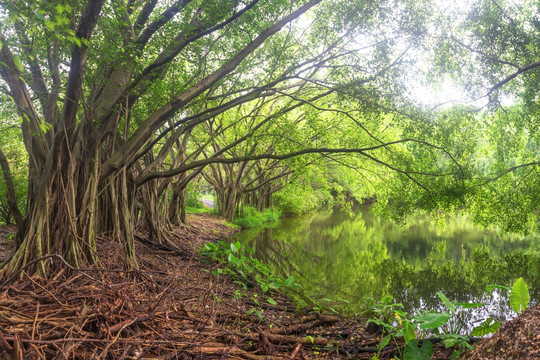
(209, 203)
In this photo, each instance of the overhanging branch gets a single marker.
(218, 160)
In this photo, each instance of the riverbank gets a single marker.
(174, 307)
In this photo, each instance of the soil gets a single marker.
(516, 339)
(174, 307)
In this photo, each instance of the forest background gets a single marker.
(112, 113)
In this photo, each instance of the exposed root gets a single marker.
(175, 309)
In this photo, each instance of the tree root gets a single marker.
(174, 310)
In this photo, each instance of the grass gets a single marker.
(231, 225)
(203, 210)
(251, 218)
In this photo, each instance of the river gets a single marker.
(345, 260)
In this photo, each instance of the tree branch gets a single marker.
(165, 17)
(87, 23)
(232, 160)
(514, 168)
(513, 76)
(158, 118)
(487, 56)
(35, 145)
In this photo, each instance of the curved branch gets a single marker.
(487, 56)
(183, 40)
(533, 163)
(513, 76)
(232, 160)
(160, 116)
(165, 17)
(260, 185)
(35, 144)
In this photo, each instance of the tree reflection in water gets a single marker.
(333, 254)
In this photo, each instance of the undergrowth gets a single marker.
(251, 218)
(237, 261)
(418, 330)
(199, 210)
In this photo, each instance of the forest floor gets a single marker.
(175, 308)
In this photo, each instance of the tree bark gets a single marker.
(11, 194)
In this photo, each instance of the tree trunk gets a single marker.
(11, 195)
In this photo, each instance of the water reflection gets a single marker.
(334, 254)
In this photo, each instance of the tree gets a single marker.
(104, 89)
(491, 49)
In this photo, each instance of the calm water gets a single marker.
(335, 255)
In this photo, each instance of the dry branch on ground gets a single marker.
(173, 308)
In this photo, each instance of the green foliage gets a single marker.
(395, 324)
(237, 260)
(251, 218)
(20, 182)
(519, 296)
(431, 320)
(413, 352)
(296, 200)
(487, 327)
(13, 148)
(193, 202)
(231, 225)
(384, 311)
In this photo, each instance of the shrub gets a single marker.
(252, 218)
(193, 202)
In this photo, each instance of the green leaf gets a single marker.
(449, 305)
(289, 281)
(487, 327)
(519, 296)
(386, 326)
(44, 126)
(385, 340)
(408, 331)
(401, 313)
(432, 320)
(494, 286)
(451, 340)
(49, 24)
(468, 305)
(412, 352)
(76, 41)
(18, 63)
(271, 301)
(39, 15)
